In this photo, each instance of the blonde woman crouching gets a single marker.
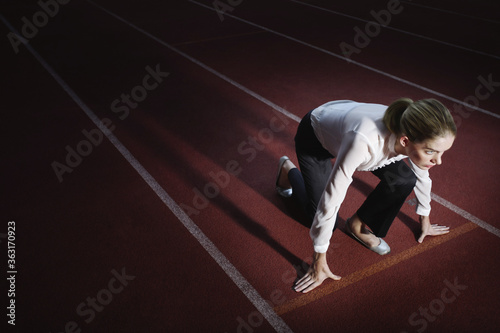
(364, 137)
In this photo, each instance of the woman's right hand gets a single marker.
(316, 274)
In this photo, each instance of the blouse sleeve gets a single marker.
(353, 152)
(422, 190)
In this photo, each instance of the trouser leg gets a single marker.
(315, 173)
(380, 208)
(315, 168)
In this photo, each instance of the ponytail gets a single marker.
(420, 121)
(393, 114)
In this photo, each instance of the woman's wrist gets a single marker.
(425, 220)
(317, 256)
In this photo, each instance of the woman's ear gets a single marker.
(404, 141)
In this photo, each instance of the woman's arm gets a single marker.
(353, 152)
(423, 194)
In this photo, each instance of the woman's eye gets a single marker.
(429, 152)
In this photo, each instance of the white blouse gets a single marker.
(355, 134)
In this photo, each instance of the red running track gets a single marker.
(102, 251)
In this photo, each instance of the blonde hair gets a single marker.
(420, 121)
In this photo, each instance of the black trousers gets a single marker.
(381, 206)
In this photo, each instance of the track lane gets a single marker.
(250, 132)
(266, 86)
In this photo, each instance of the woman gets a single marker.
(364, 137)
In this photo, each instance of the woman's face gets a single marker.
(427, 154)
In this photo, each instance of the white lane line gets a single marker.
(217, 38)
(397, 78)
(275, 107)
(247, 289)
(466, 215)
(450, 12)
(399, 30)
(282, 111)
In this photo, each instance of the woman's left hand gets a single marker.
(429, 229)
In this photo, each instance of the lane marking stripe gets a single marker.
(246, 288)
(218, 38)
(398, 30)
(450, 12)
(275, 107)
(392, 260)
(378, 71)
(466, 215)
